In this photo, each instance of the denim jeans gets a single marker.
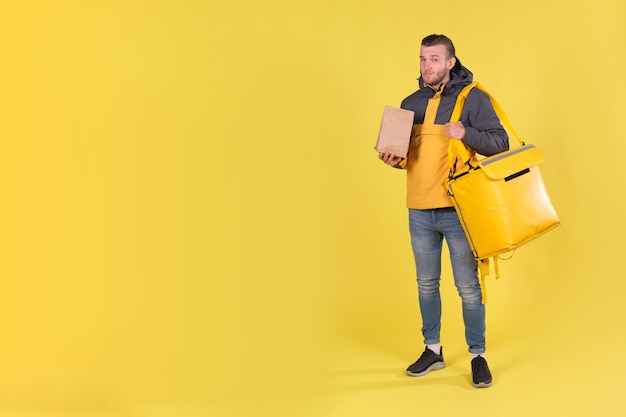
(428, 230)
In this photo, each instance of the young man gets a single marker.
(432, 217)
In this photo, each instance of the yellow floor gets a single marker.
(330, 350)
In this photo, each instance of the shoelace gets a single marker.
(480, 366)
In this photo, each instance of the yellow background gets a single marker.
(194, 222)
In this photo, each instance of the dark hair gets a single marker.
(432, 40)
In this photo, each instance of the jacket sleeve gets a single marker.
(483, 131)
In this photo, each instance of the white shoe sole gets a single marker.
(435, 366)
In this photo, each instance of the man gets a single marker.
(432, 217)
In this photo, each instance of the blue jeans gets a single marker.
(428, 229)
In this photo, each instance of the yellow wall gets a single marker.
(194, 220)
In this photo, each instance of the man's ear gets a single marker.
(451, 63)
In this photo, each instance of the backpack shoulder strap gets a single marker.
(483, 272)
(456, 145)
(501, 114)
(460, 101)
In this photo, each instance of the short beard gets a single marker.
(437, 82)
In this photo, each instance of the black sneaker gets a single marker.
(481, 377)
(429, 361)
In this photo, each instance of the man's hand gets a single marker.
(455, 130)
(389, 158)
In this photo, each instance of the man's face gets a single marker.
(435, 65)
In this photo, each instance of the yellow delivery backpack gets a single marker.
(501, 200)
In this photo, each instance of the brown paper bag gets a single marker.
(395, 131)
